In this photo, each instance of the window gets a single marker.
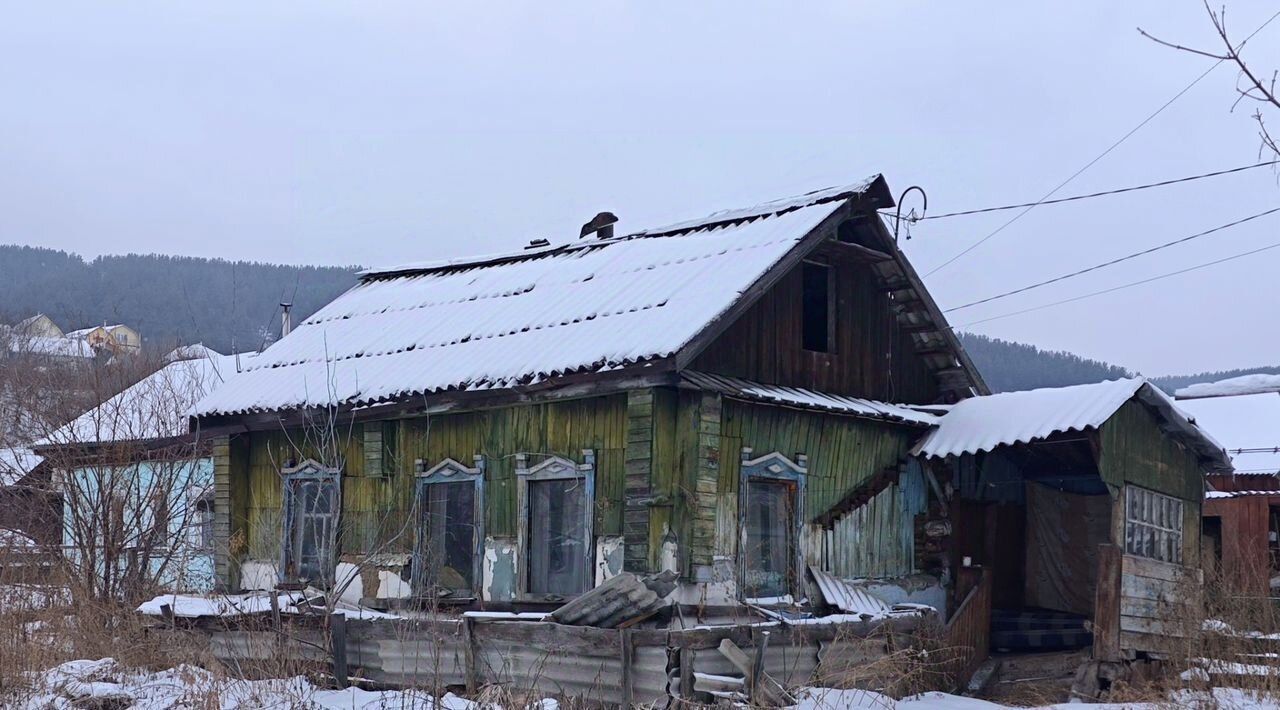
(447, 558)
(818, 312)
(122, 338)
(770, 538)
(311, 515)
(202, 522)
(556, 536)
(771, 500)
(1153, 525)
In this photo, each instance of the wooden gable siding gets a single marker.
(764, 344)
(1135, 451)
(376, 503)
(843, 452)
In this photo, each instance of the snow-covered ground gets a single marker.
(104, 683)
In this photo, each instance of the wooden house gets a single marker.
(710, 397)
(757, 401)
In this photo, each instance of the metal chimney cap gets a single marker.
(598, 223)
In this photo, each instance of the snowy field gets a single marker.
(104, 684)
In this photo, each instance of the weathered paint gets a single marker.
(609, 557)
(1135, 451)
(842, 452)
(499, 583)
(877, 539)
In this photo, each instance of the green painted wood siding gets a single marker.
(1134, 450)
(843, 451)
(375, 507)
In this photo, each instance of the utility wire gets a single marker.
(1131, 284)
(1113, 262)
(1104, 193)
(1091, 163)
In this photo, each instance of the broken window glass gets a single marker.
(770, 538)
(450, 528)
(558, 510)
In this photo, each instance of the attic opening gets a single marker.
(817, 304)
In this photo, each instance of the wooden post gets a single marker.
(275, 610)
(166, 612)
(757, 668)
(1106, 605)
(628, 651)
(469, 654)
(338, 641)
(685, 655)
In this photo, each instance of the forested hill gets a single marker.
(1008, 366)
(169, 299)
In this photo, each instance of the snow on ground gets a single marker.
(103, 683)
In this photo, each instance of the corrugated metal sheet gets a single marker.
(590, 306)
(808, 399)
(985, 423)
(846, 597)
(620, 599)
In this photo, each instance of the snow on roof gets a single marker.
(1212, 495)
(809, 399)
(156, 407)
(592, 306)
(985, 423)
(1250, 422)
(16, 463)
(18, 342)
(191, 352)
(84, 332)
(1245, 384)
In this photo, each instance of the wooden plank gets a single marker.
(1106, 605)
(1147, 588)
(1155, 569)
(1156, 627)
(628, 652)
(338, 636)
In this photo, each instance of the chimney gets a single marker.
(286, 319)
(601, 224)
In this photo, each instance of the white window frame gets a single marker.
(1153, 525)
(449, 471)
(554, 468)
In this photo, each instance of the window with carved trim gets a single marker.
(1153, 525)
(311, 520)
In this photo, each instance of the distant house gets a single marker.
(39, 326)
(1242, 508)
(116, 338)
(137, 484)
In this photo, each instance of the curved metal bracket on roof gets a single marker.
(897, 217)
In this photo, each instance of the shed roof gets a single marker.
(1258, 383)
(512, 320)
(1248, 425)
(17, 462)
(985, 423)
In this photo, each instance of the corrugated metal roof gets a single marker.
(1248, 425)
(513, 320)
(808, 399)
(1213, 495)
(1230, 387)
(985, 423)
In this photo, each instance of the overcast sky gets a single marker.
(374, 133)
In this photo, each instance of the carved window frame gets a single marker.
(450, 471)
(551, 469)
(777, 468)
(293, 477)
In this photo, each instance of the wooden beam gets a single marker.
(1106, 605)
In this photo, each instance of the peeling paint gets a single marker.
(912, 589)
(609, 550)
(499, 583)
(258, 575)
(392, 586)
(669, 557)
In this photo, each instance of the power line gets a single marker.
(1113, 262)
(1123, 286)
(1104, 193)
(1091, 163)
